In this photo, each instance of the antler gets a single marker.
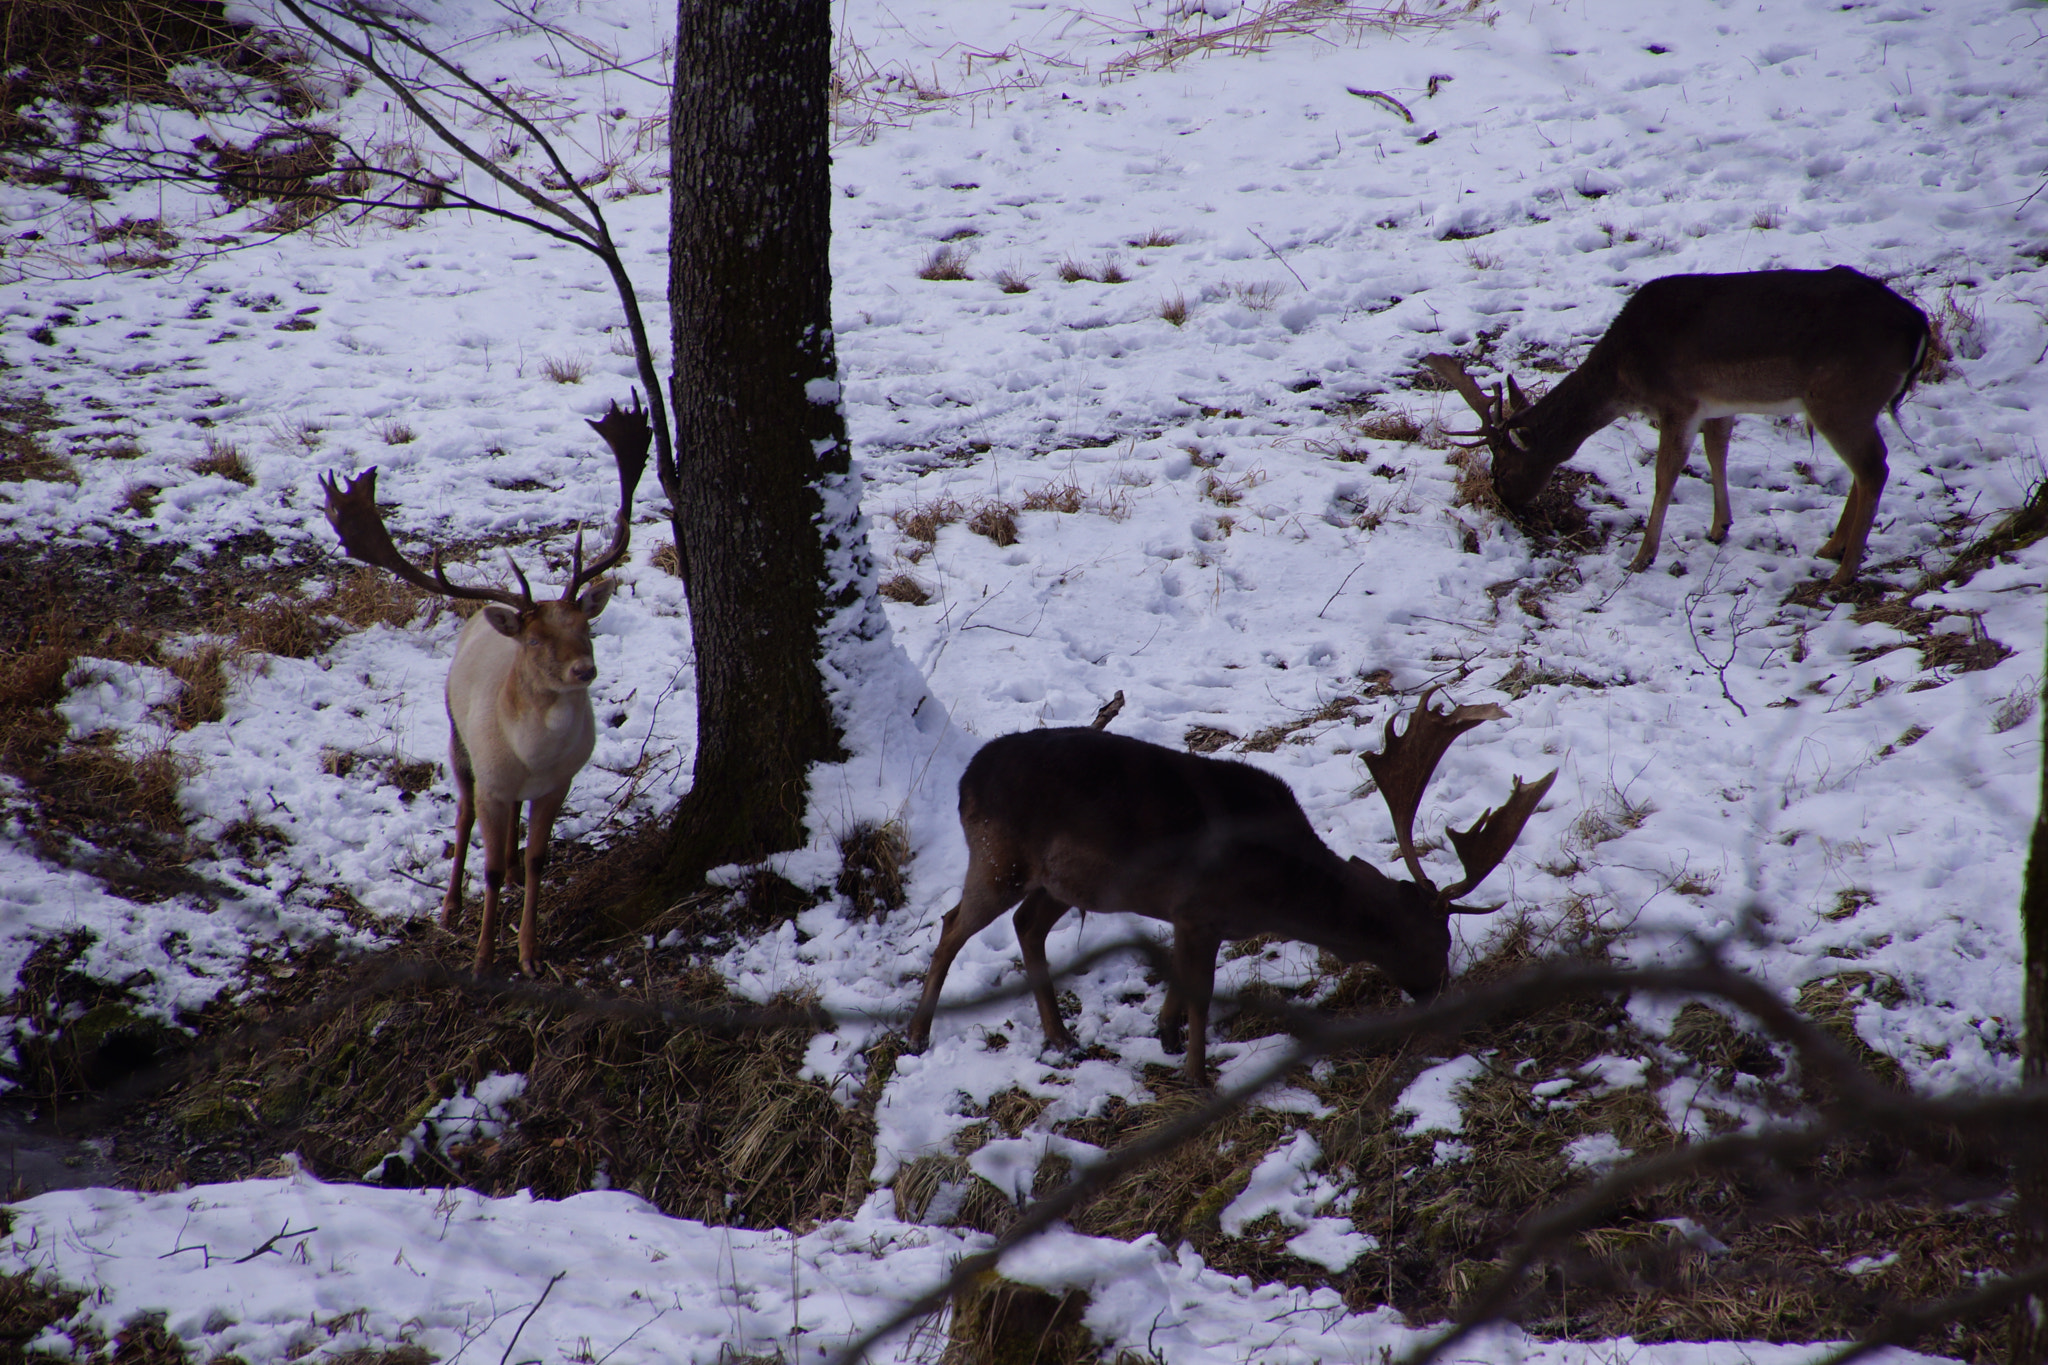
(626, 431)
(1495, 410)
(1403, 768)
(352, 511)
(1488, 405)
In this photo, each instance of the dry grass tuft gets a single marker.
(1072, 271)
(667, 558)
(946, 262)
(923, 520)
(1765, 219)
(130, 784)
(140, 498)
(572, 369)
(874, 862)
(1230, 492)
(1063, 496)
(1155, 237)
(369, 596)
(1258, 295)
(224, 458)
(996, 520)
(1013, 281)
(1388, 426)
(998, 1320)
(1955, 332)
(903, 588)
(288, 626)
(203, 685)
(1474, 484)
(24, 454)
(1175, 309)
(393, 432)
(1110, 271)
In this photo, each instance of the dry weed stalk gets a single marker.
(1190, 34)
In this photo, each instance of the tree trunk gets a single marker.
(2029, 1344)
(759, 426)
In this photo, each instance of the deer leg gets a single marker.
(496, 819)
(544, 809)
(515, 868)
(1033, 921)
(465, 821)
(1674, 439)
(1173, 1018)
(1862, 449)
(1715, 431)
(982, 902)
(1194, 980)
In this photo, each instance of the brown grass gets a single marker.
(874, 863)
(923, 520)
(722, 1128)
(226, 459)
(1388, 426)
(1072, 271)
(995, 520)
(903, 588)
(1062, 496)
(946, 262)
(566, 369)
(1955, 332)
(1155, 237)
(393, 432)
(1174, 310)
(667, 558)
(24, 453)
(1013, 281)
(368, 596)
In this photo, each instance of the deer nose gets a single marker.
(582, 672)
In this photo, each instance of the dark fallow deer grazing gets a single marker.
(1220, 850)
(1690, 351)
(520, 725)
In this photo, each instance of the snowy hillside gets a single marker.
(1232, 502)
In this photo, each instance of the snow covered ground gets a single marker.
(1238, 557)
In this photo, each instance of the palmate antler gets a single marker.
(352, 511)
(1495, 409)
(1403, 768)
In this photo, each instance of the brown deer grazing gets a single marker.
(1691, 351)
(1062, 818)
(520, 726)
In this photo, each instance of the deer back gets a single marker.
(519, 694)
(1766, 337)
(1109, 823)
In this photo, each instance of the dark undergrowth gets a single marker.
(1807, 1253)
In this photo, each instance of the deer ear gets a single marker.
(595, 597)
(504, 620)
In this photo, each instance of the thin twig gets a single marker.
(559, 1276)
(1283, 261)
(271, 1245)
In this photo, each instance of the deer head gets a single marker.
(1517, 474)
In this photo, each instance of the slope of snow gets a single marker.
(1223, 568)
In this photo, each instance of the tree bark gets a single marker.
(2029, 1342)
(760, 430)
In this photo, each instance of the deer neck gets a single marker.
(544, 717)
(1587, 399)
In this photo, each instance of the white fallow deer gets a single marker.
(1220, 850)
(520, 725)
(1690, 351)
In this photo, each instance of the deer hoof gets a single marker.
(1641, 562)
